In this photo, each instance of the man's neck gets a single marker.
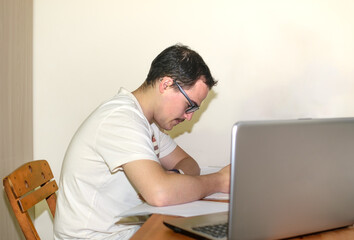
(145, 97)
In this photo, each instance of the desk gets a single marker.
(153, 228)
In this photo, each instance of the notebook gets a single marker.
(288, 178)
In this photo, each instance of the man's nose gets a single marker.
(188, 116)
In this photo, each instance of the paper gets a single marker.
(133, 220)
(210, 169)
(218, 196)
(185, 210)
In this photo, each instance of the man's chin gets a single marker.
(165, 127)
(171, 125)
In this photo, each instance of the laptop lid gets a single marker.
(288, 178)
(291, 178)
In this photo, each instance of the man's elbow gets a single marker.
(158, 198)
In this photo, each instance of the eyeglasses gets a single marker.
(192, 107)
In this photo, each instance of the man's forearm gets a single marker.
(161, 189)
(185, 188)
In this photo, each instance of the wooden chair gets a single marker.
(27, 186)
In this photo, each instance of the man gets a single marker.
(120, 156)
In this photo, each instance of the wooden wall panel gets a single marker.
(16, 124)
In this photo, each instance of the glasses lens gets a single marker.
(193, 106)
(192, 109)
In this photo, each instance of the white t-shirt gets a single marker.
(93, 189)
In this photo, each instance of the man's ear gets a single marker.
(164, 83)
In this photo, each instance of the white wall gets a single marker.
(273, 59)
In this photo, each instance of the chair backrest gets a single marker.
(27, 186)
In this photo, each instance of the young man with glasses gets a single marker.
(120, 155)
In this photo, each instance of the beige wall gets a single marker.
(274, 60)
(15, 99)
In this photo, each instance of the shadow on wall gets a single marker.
(187, 126)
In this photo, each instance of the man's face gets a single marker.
(173, 104)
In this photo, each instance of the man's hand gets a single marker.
(225, 172)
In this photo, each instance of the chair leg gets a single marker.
(51, 200)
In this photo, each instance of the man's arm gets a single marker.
(159, 188)
(179, 159)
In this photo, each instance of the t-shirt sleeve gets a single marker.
(122, 137)
(166, 143)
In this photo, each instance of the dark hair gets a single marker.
(181, 64)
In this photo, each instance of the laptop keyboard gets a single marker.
(217, 230)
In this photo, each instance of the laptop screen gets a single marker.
(291, 178)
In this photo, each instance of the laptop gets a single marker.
(288, 178)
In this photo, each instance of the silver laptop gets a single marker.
(288, 178)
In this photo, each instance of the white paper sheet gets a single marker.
(210, 169)
(218, 196)
(185, 210)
